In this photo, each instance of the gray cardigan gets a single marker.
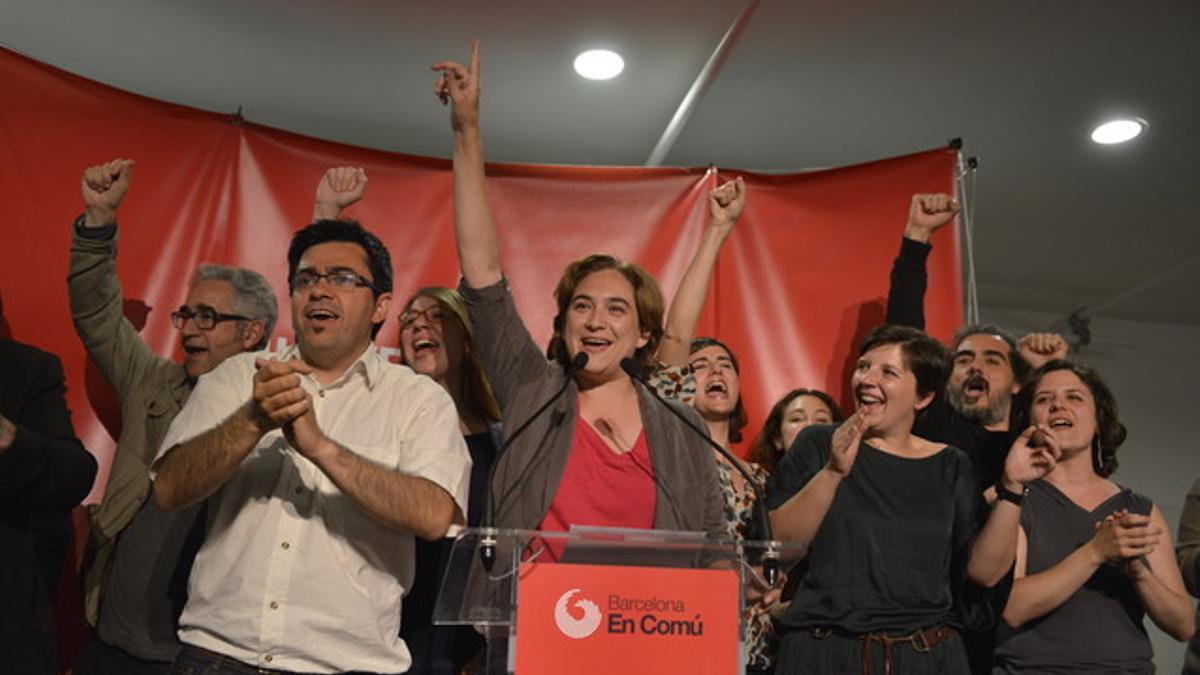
(688, 494)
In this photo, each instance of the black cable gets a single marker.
(770, 557)
(487, 548)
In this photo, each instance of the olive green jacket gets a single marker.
(150, 388)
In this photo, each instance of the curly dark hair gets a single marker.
(1110, 433)
(765, 448)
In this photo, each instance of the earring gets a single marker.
(1097, 456)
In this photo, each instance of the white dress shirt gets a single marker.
(293, 574)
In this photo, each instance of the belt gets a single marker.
(232, 665)
(921, 641)
(226, 663)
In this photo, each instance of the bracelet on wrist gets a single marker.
(1007, 495)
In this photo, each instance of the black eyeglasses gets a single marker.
(205, 317)
(343, 280)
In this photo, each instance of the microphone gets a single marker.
(770, 557)
(487, 547)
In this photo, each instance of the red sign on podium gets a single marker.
(601, 619)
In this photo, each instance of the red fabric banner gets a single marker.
(805, 272)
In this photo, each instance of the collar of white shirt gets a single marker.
(368, 363)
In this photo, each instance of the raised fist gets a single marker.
(339, 187)
(1040, 348)
(927, 214)
(725, 204)
(103, 188)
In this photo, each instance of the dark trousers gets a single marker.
(197, 661)
(495, 652)
(99, 658)
(802, 653)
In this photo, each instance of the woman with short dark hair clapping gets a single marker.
(892, 523)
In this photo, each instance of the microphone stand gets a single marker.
(770, 557)
(487, 547)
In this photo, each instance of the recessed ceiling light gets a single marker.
(599, 64)
(1118, 131)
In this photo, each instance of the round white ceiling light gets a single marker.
(599, 64)
(1118, 131)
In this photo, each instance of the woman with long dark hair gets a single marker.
(704, 372)
(791, 414)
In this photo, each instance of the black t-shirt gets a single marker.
(979, 607)
(987, 450)
(893, 547)
(444, 649)
(940, 422)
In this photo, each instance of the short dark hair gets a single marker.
(1110, 433)
(647, 298)
(765, 448)
(924, 356)
(1019, 366)
(379, 261)
(739, 419)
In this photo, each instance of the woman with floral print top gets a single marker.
(703, 373)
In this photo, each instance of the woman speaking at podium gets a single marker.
(605, 453)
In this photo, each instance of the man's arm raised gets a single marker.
(1039, 349)
(96, 297)
(104, 187)
(927, 213)
(338, 189)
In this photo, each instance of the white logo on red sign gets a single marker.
(567, 620)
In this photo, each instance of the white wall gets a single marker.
(1154, 371)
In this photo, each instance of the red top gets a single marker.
(602, 487)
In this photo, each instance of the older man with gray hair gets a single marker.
(138, 557)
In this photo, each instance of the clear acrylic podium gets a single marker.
(689, 571)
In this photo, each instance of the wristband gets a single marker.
(1008, 495)
(102, 232)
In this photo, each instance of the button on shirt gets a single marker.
(293, 574)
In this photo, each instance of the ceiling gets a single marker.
(1060, 223)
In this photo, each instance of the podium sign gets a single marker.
(601, 619)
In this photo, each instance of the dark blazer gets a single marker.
(43, 475)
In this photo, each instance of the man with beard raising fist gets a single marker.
(988, 364)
